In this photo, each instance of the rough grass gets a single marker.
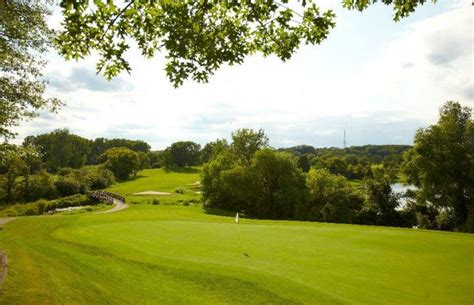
(156, 254)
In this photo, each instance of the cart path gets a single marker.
(118, 205)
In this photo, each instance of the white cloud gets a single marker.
(427, 64)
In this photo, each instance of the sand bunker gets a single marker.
(152, 193)
(197, 183)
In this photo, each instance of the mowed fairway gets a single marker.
(156, 180)
(151, 254)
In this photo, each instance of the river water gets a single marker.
(401, 188)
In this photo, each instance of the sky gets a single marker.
(376, 79)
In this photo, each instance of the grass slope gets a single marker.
(181, 255)
(156, 180)
(159, 180)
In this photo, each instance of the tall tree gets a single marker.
(303, 163)
(60, 149)
(122, 161)
(381, 200)
(331, 198)
(198, 37)
(441, 163)
(101, 145)
(24, 36)
(246, 142)
(181, 154)
(15, 162)
(271, 187)
(212, 149)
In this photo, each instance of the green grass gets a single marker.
(160, 180)
(155, 180)
(161, 254)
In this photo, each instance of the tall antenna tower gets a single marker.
(344, 142)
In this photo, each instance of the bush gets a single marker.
(67, 186)
(180, 190)
(445, 220)
(73, 201)
(42, 206)
(156, 165)
(331, 198)
(100, 179)
(155, 202)
(40, 186)
(423, 221)
(31, 210)
(65, 171)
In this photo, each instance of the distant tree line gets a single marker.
(355, 162)
(60, 148)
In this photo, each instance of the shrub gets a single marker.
(30, 210)
(65, 171)
(40, 186)
(446, 220)
(43, 206)
(100, 179)
(331, 198)
(156, 165)
(67, 186)
(180, 190)
(73, 201)
(155, 202)
(423, 221)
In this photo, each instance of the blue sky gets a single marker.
(376, 79)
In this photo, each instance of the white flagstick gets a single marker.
(238, 233)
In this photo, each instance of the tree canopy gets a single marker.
(198, 37)
(24, 37)
(60, 149)
(181, 154)
(441, 163)
(246, 142)
(122, 161)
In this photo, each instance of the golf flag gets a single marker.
(237, 218)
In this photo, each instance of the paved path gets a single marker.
(118, 205)
(3, 257)
(4, 220)
(3, 268)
